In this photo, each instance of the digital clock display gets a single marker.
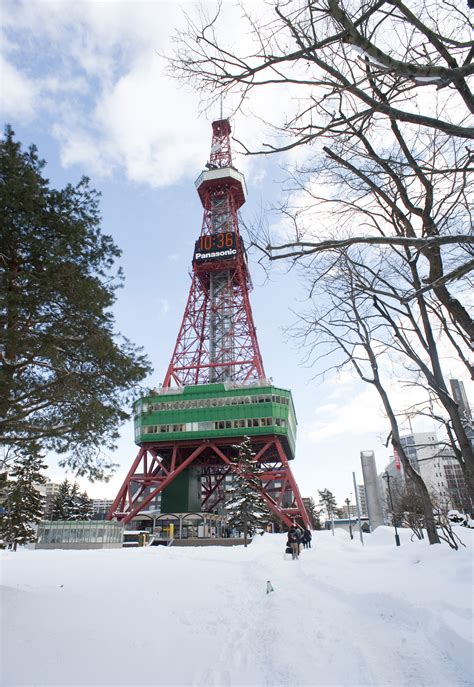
(221, 246)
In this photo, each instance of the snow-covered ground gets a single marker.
(341, 615)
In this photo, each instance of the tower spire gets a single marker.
(217, 339)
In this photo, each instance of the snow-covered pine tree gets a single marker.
(23, 503)
(84, 505)
(3, 488)
(74, 503)
(245, 504)
(61, 506)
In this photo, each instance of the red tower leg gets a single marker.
(151, 477)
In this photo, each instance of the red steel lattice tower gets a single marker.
(215, 390)
(217, 340)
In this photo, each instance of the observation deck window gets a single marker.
(212, 425)
(211, 402)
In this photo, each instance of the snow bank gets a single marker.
(341, 615)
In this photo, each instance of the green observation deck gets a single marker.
(214, 411)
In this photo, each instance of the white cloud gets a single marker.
(17, 92)
(360, 414)
(94, 69)
(164, 307)
(147, 127)
(103, 85)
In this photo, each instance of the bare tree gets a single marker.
(378, 92)
(445, 525)
(380, 107)
(349, 331)
(336, 53)
(408, 509)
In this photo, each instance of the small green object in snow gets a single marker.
(269, 587)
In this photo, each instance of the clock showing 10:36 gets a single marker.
(214, 246)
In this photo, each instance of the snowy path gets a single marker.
(339, 616)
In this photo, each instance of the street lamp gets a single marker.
(387, 477)
(348, 503)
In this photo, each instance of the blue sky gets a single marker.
(83, 81)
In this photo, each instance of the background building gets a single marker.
(440, 471)
(349, 511)
(49, 490)
(100, 508)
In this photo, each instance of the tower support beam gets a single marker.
(284, 500)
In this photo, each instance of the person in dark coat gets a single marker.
(307, 536)
(294, 541)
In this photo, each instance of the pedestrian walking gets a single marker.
(294, 541)
(307, 536)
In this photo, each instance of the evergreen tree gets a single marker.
(23, 503)
(70, 504)
(65, 376)
(84, 506)
(74, 497)
(328, 501)
(247, 508)
(314, 514)
(3, 488)
(61, 505)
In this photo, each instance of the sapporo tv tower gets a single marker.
(215, 391)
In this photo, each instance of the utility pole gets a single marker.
(348, 503)
(387, 477)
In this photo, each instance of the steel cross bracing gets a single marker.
(216, 341)
(152, 472)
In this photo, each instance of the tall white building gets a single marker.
(437, 466)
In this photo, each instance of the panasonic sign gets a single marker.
(215, 254)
